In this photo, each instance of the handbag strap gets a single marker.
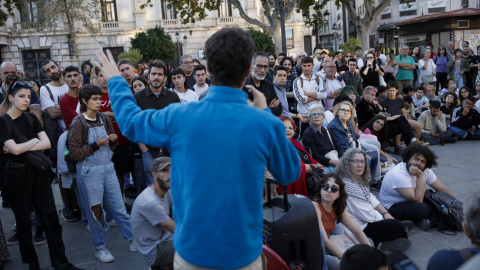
(303, 155)
(13, 129)
(328, 133)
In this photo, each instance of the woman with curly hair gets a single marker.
(365, 209)
(330, 204)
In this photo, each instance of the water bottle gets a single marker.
(444, 209)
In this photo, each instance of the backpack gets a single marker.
(447, 210)
(71, 163)
(52, 129)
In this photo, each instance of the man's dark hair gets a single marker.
(97, 70)
(46, 61)
(420, 88)
(307, 59)
(407, 99)
(196, 61)
(282, 54)
(468, 43)
(418, 149)
(142, 61)
(199, 67)
(381, 89)
(86, 92)
(352, 60)
(357, 48)
(363, 257)
(340, 98)
(277, 68)
(392, 84)
(83, 67)
(124, 61)
(229, 55)
(287, 58)
(259, 54)
(435, 104)
(471, 98)
(408, 88)
(70, 69)
(158, 64)
(274, 56)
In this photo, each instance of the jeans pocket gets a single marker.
(86, 170)
(16, 168)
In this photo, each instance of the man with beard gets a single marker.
(272, 63)
(154, 96)
(186, 64)
(279, 80)
(403, 187)
(86, 68)
(152, 225)
(257, 80)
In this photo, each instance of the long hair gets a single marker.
(460, 97)
(343, 168)
(10, 81)
(382, 134)
(339, 204)
(374, 62)
(393, 60)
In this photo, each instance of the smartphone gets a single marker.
(249, 93)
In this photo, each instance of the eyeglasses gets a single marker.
(348, 56)
(379, 123)
(188, 63)
(333, 189)
(260, 67)
(345, 111)
(22, 83)
(357, 162)
(331, 67)
(370, 57)
(316, 115)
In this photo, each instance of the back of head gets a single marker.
(229, 56)
(363, 257)
(471, 212)
(408, 99)
(435, 104)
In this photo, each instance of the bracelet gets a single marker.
(386, 212)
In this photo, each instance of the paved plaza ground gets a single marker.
(458, 168)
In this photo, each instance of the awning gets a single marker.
(465, 12)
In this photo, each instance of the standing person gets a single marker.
(257, 80)
(181, 127)
(376, 222)
(200, 75)
(138, 83)
(297, 69)
(415, 53)
(186, 64)
(427, 69)
(352, 77)
(279, 80)
(457, 68)
(391, 68)
(96, 178)
(86, 68)
(292, 103)
(26, 185)
(125, 66)
(272, 63)
(181, 87)
(331, 84)
(142, 64)
(406, 68)
(450, 49)
(434, 125)
(371, 71)
(346, 59)
(358, 56)
(441, 60)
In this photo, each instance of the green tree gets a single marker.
(263, 41)
(9, 5)
(154, 44)
(350, 45)
(134, 55)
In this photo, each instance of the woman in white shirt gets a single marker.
(427, 69)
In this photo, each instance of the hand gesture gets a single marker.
(101, 141)
(465, 111)
(107, 64)
(112, 137)
(274, 103)
(388, 216)
(413, 170)
(303, 118)
(259, 100)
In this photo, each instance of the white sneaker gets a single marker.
(112, 223)
(104, 255)
(133, 246)
(87, 228)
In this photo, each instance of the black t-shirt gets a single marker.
(393, 106)
(24, 127)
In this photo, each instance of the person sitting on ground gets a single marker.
(464, 93)
(452, 259)
(449, 105)
(477, 87)
(352, 77)
(329, 115)
(363, 257)
(365, 209)
(323, 146)
(152, 225)
(381, 93)
(434, 125)
(330, 204)
(452, 88)
(403, 187)
(420, 101)
(307, 162)
(431, 89)
(409, 107)
(378, 127)
(466, 120)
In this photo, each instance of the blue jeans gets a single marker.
(459, 80)
(98, 184)
(148, 158)
(462, 133)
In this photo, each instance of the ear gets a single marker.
(154, 174)
(10, 98)
(84, 101)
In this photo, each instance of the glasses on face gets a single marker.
(260, 67)
(188, 63)
(348, 56)
(357, 162)
(345, 111)
(379, 123)
(442, 49)
(316, 115)
(333, 189)
(466, 103)
(331, 67)
(21, 83)
(370, 57)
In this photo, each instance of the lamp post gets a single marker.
(326, 16)
(335, 32)
(177, 44)
(312, 22)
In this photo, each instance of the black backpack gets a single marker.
(447, 210)
(71, 163)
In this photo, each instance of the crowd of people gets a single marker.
(110, 130)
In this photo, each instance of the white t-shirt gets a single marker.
(187, 97)
(478, 103)
(360, 63)
(399, 177)
(199, 90)
(57, 93)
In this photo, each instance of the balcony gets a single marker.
(170, 23)
(109, 26)
(225, 20)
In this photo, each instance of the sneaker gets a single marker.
(68, 215)
(104, 255)
(133, 246)
(87, 228)
(13, 240)
(399, 244)
(421, 143)
(112, 223)
(40, 237)
(408, 225)
(424, 224)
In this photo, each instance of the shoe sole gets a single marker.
(408, 225)
(400, 244)
(67, 220)
(40, 242)
(103, 260)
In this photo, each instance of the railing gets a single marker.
(109, 25)
(225, 20)
(27, 25)
(170, 23)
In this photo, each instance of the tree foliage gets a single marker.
(10, 6)
(134, 55)
(154, 44)
(350, 45)
(263, 41)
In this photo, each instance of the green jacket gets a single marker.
(463, 65)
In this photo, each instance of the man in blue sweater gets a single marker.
(219, 147)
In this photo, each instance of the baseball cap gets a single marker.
(160, 163)
(324, 51)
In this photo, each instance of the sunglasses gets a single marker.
(348, 56)
(23, 84)
(333, 189)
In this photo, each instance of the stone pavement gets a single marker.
(458, 168)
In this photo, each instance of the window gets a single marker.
(109, 11)
(167, 13)
(225, 9)
(30, 11)
(386, 16)
(408, 13)
(436, 10)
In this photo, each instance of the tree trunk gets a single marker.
(277, 38)
(364, 35)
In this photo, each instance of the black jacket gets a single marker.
(267, 88)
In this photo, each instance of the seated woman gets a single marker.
(449, 105)
(322, 145)
(342, 129)
(365, 209)
(378, 128)
(307, 162)
(330, 202)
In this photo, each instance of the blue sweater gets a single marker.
(220, 147)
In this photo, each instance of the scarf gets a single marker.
(357, 191)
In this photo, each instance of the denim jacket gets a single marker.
(341, 134)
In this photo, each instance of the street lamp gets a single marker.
(335, 30)
(312, 22)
